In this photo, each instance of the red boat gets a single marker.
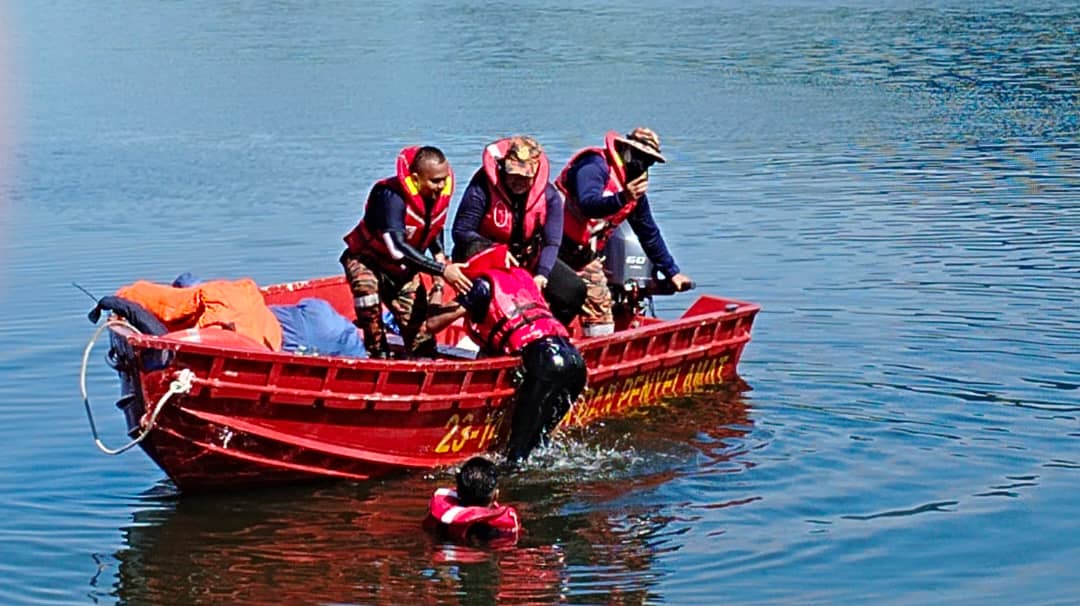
(215, 417)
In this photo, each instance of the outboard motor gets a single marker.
(626, 265)
(631, 277)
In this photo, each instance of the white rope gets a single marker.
(180, 385)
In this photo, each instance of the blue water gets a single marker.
(897, 183)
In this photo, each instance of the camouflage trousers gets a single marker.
(596, 317)
(406, 299)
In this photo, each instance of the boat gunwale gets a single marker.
(156, 342)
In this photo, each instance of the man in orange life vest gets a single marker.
(510, 201)
(506, 315)
(403, 218)
(471, 512)
(604, 187)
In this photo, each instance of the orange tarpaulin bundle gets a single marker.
(235, 304)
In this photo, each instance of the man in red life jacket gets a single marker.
(471, 513)
(510, 201)
(403, 218)
(506, 315)
(605, 186)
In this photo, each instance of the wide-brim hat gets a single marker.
(644, 141)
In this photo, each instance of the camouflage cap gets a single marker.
(522, 157)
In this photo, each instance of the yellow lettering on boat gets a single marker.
(444, 443)
(671, 381)
(647, 387)
(464, 435)
(459, 432)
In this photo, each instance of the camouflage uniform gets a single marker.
(596, 317)
(407, 301)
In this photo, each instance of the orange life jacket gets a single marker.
(579, 229)
(237, 305)
(421, 227)
(498, 222)
(446, 508)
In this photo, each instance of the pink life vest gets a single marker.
(446, 508)
(579, 229)
(498, 222)
(420, 231)
(517, 314)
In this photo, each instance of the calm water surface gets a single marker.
(897, 183)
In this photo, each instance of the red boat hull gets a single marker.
(256, 418)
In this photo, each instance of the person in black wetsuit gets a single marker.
(506, 315)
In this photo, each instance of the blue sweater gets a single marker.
(586, 180)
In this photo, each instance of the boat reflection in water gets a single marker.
(593, 527)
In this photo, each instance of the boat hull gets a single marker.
(257, 418)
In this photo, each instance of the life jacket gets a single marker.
(421, 228)
(236, 304)
(446, 508)
(498, 221)
(584, 231)
(517, 314)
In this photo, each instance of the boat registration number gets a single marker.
(467, 430)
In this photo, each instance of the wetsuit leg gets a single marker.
(554, 378)
(572, 376)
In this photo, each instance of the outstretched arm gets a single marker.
(445, 317)
(385, 216)
(474, 301)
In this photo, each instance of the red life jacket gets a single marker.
(421, 229)
(517, 314)
(446, 508)
(578, 228)
(498, 222)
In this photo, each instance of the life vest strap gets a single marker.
(520, 317)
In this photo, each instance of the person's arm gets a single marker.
(385, 216)
(552, 236)
(652, 241)
(588, 178)
(470, 214)
(445, 317)
(474, 302)
(402, 251)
